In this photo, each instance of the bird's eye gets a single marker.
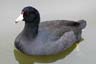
(25, 13)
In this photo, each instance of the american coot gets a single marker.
(46, 38)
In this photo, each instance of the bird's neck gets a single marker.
(31, 29)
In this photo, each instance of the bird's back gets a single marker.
(59, 27)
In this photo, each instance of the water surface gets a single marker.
(49, 10)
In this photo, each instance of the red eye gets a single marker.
(25, 13)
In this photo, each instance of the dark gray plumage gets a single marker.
(47, 38)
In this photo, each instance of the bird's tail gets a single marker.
(82, 24)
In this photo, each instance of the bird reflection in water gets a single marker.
(31, 59)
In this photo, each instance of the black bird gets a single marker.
(46, 38)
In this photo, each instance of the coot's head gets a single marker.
(30, 15)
